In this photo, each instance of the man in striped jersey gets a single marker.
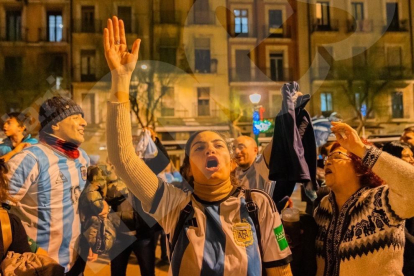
(46, 179)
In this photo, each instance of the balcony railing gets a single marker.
(397, 26)
(81, 27)
(167, 17)
(385, 73)
(19, 35)
(284, 31)
(319, 26)
(323, 73)
(201, 18)
(60, 35)
(258, 75)
(363, 25)
(395, 73)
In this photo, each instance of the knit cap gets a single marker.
(57, 109)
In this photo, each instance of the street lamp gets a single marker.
(255, 99)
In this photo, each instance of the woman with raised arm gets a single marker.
(361, 222)
(218, 235)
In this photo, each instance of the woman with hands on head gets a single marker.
(219, 236)
(361, 222)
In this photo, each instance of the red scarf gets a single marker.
(67, 148)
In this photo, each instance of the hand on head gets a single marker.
(119, 59)
(348, 138)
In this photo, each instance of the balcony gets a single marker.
(284, 31)
(168, 17)
(319, 26)
(94, 26)
(323, 73)
(396, 73)
(397, 26)
(360, 26)
(61, 36)
(17, 36)
(258, 75)
(201, 18)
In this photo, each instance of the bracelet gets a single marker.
(371, 156)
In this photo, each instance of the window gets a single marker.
(88, 106)
(202, 55)
(13, 67)
(325, 61)
(358, 10)
(243, 71)
(359, 57)
(326, 103)
(13, 25)
(126, 14)
(394, 57)
(276, 104)
(88, 19)
(54, 26)
(392, 16)
(88, 65)
(323, 14)
(167, 102)
(276, 67)
(397, 105)
(55, 67)
(201, 12)
(275, 23)
(168, 55)
(241, 22)
(167, 11)
(203, 101)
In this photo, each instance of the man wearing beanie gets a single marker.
(43, 179)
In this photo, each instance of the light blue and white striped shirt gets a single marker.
(219, 238)
(47, 186)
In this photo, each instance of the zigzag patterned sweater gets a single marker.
(366, 237)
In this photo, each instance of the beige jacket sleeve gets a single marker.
(399, 176)
(140, 180)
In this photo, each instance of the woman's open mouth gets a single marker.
(327, 171)
(212, 164)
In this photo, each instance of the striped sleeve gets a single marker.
(23, 171)
(276, 251)
(167, 205)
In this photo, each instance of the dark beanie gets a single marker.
(56, 109)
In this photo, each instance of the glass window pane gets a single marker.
(237, 12)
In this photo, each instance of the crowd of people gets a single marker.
(218, 214)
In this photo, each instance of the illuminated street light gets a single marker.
(255, 98)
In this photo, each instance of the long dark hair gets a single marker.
(185, 169)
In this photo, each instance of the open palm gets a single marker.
(119, 60)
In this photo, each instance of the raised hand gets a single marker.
(348, 138)
(120, 61)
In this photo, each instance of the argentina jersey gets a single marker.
(46, 185)
(219, 238)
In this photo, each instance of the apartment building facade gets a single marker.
(34, 51)
(263, 54)
(372, 42)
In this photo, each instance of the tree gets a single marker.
(150, 84)
(362, 83)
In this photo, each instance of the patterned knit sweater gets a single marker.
(365, 238)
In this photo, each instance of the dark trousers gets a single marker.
(163, 243)
(143, 249)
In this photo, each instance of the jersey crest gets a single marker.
(243, 234)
